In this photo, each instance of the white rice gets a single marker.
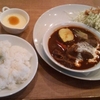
(14, 65)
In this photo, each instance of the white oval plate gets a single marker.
(57, 14)
(34, 62)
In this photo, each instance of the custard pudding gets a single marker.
(14, 21)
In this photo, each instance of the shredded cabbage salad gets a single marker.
(90, 17)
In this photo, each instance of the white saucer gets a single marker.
(61, 13)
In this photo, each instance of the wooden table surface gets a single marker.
(48, 83)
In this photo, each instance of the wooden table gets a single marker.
(48, 83)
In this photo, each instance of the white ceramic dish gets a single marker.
(11, 12)
(34, 62)
(57, 26)
(49, 18)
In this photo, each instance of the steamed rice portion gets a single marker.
(14, 65)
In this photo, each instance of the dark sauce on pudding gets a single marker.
(13, 20)
(78, 53)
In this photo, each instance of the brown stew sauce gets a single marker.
(64, 52)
